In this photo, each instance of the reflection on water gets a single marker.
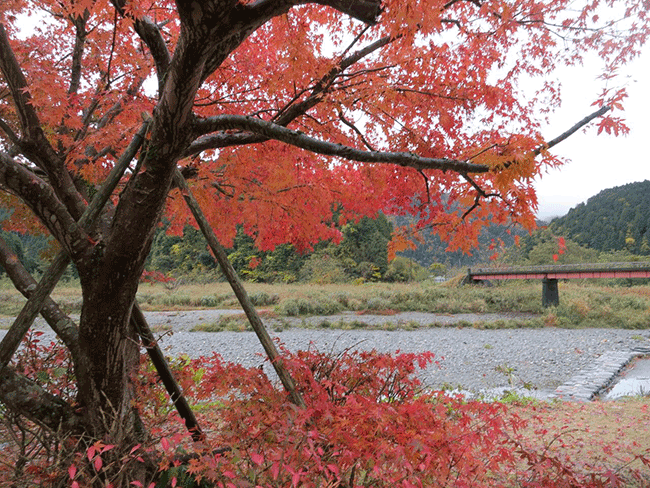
(634, 381)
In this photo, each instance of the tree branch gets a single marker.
(77, 52)
(17, 83)
(63, 325)
(480, 193)
(152, 37)
(573, 130)
(42, 200)
(27, 398)
(6, 128)
(323, 85)
(32, 308)
(298, 139)
(292, 110)
(166, 376)
(252, 15)
(240, 291)
(366, 11)
(33, 143)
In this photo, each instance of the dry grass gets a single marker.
(67, 295)
(595, 435)
(582, 304)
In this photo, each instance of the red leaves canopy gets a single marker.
(441, 82)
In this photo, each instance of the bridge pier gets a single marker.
(551, 273)
(550, 293)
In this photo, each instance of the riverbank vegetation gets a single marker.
(583, 303)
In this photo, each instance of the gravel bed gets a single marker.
(469, 359)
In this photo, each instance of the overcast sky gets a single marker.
(600, 161)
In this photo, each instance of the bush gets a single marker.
(262, 299)
(402, 269)
(323, 269)
(367, 422)
(294, 307)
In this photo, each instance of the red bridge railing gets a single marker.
(551, 273)
(563, 271)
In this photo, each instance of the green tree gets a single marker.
(260, 102)
(364, 248)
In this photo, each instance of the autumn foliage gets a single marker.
(368, 422)
(288, 118)
(435, 79)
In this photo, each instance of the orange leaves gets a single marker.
(443, 82)
(399, 243)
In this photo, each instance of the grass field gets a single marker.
(582, 303)
(593, 436)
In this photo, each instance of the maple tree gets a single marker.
(283, 114)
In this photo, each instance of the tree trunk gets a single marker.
(108, 339)
(110, 354)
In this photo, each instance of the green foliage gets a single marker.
(316, 305)
(280, 265)
(263, 299)
(365, 243)
(233, 323)
(362, 255)
(321, 268)
(180, 255)
(405, 270)
(541, 246)
(616, 219)
(591, 306)
(431, 250)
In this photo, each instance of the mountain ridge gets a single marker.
(614, 219)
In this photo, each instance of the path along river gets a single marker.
(567, 363)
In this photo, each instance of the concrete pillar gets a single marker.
(550, 294)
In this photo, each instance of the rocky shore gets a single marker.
(542, 362)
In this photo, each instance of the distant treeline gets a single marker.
(615, 219)
(612, 226)
(361, 255)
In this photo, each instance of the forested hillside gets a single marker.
(431, 249)
(613, 220)
(362, 254)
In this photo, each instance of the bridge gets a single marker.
(549, 275)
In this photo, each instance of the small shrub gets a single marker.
(288, 307)
(262, 299)
(229, 322)
(378, 304)
(208, 301)
(343, 298)
(294, 307)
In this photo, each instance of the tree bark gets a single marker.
(109, 358)
(22, 395)
(64, 327)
